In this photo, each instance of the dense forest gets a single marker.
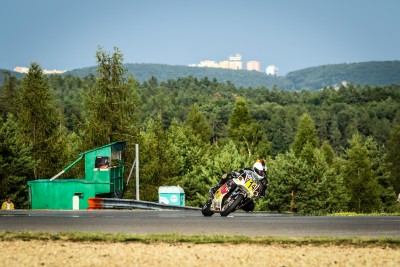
(375, 73)
(329, 150)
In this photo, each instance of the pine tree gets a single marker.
(191, 152)
(111, 104)
(302, 181)
(298, 186)
(382, 175)
(247, 133)
(306, 134)
(328, 152)
(8, 95)
(335, 134)
(393, 158)
(323, 129)
(326, 193)
(198, 123)
(288, 175)
(239, 116)
(38, 122)
(359, 178)
(280, 130)
(16, 164)
(159, 162)
(187, 145)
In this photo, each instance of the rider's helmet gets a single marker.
(260, 168)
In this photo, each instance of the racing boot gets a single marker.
(211, 193)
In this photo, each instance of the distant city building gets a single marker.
(344, 84)
(26, 70)
(272, 70)
(253, 65)
(21, 69)
(207, 63)
(234, 63)
(53, 71)
(224, 64)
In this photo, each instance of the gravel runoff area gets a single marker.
(67, 253)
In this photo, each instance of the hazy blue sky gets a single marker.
(291, 34)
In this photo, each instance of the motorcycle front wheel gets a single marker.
(206, 210)
(231, 205)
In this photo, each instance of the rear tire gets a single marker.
(232, 206)
(249, 207)
(206, 210)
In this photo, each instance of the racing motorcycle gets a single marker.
(235, 194)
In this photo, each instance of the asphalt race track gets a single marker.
(193, 222)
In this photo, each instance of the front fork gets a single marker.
(232, 196)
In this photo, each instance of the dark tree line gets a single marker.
(328, 151)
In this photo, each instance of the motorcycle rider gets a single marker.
(259, 171)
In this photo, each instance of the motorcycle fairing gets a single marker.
(220, 194)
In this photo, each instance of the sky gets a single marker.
(290, 34)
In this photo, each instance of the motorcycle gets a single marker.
(235, 194)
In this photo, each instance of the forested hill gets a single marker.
(15, 74)
(240, 78)
(366, 73)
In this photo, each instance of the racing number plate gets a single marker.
(251, 185)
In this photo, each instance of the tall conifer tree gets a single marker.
(110, 105)
(247, 134)
(8, 96)
(16, 163)
(393, 158)
(359, 178)
(38, 122)
(198, 123)
(306, 136)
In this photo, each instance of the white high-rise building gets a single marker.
(272, 70)
(235, 62)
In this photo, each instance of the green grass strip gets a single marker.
(201, 239)
(344, 214)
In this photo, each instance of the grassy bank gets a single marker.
(200, 239)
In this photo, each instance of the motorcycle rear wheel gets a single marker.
(249, 207)
(232, 205)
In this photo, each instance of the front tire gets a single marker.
(231, 207)
(206, 210)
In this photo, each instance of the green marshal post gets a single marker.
(104, 177)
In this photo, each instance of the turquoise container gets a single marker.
(171, 195)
